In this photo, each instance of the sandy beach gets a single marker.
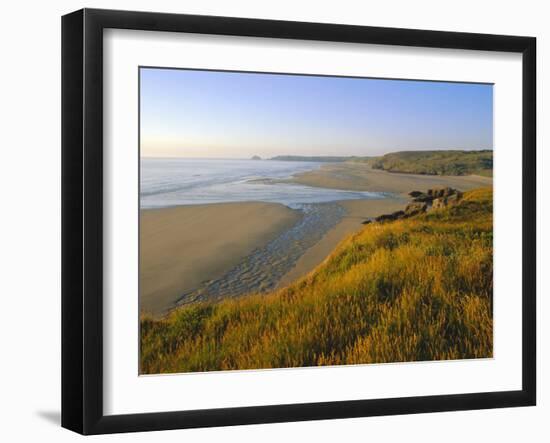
(182, 246)
(361, 177)
(207, 252)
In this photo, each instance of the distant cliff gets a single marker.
(437, 162)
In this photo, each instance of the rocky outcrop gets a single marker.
(415, 208)
(388, 217)
(433, 194)
(430, 200)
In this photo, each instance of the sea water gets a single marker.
(173, 182)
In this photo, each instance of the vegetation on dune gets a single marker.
(408, 290)
(437, 162)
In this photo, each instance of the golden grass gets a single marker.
(409, 290)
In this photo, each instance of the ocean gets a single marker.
(173, 182)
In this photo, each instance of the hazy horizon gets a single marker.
(302, 155)
(229, 115)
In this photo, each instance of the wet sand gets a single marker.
(262, 270)
(361, 177)
(181, 247)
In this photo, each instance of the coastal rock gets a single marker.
(433, 199)
(399, 214)
(423, 198)
(448, 197)
(390, 217)
(435, 193)
(415, 208)
(419, 196)
(442, 192)
(384, 217)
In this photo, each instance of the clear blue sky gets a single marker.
(188, 113)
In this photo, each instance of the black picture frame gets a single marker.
(82, 220)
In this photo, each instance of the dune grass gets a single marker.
(409, 290)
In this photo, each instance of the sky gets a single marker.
(216, 114)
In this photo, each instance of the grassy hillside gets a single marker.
(437, 162)
(413, 289)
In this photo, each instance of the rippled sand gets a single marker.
(262, 270)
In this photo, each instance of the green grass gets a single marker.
(437, 162)
(408, 290)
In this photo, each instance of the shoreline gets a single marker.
(212, 251)
(182, 246)
(361, 177)
(192, 253)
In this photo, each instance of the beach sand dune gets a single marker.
(361, 177)
(183, 246)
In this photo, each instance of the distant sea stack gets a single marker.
(256, 157)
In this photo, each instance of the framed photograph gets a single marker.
(268, 221)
